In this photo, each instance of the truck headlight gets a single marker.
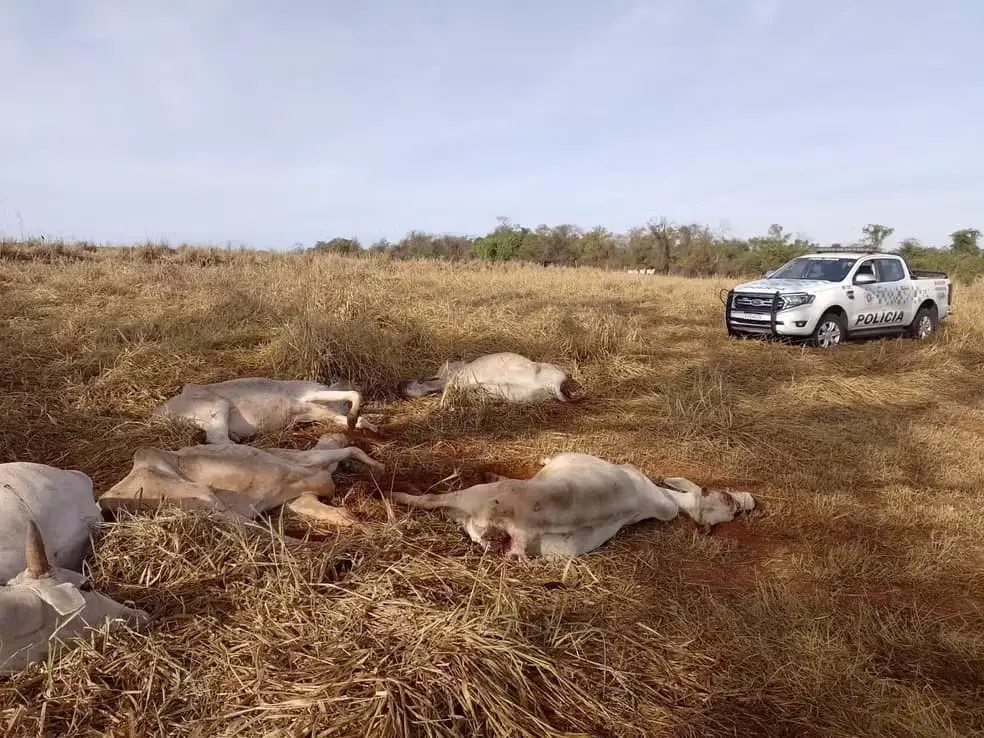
(795, 300)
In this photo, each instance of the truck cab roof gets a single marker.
(845, 255)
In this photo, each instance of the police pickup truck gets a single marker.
(830, 295)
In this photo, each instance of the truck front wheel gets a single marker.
(829, 332)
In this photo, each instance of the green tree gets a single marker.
(417, 245)
(690, 249)
(965, 241)
(596, 247)
(774, 249)
(777, 235)
(875, 235)
(557, 245)
(507, 242)
(338, 246)
(663, 235)
(454, 248)
(909, 248)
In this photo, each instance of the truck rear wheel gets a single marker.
(925, 324)
(829, 332)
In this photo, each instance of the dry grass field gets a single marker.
(852, 604)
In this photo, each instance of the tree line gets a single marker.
(669, 248)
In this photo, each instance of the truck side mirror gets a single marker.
(864, 278)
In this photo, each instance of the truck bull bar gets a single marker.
(727, 297)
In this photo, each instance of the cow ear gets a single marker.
(65, 598)
(683, 485)
(34, 553)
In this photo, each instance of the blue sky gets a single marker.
(271, 123)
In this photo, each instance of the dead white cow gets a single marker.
(42, 603)
(237, 409)
(60, 501)
(507, 376)
(238, 482)
(573, 504)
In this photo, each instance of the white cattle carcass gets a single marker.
(573, 504)
(43, 603)
(507, 376)
(238, 482)
(237, 409)
(59, 500)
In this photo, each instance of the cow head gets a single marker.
(45, 602)
(712, 506)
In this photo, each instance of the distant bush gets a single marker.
(683, 249)
(689, 250)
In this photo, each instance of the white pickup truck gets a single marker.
(827, 296)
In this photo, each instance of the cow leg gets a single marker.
(365, 424)
(324, 414)
(315, 483)
(308, 505)
(354, 453)
(313, 402)
(361, 423)
(212, 416)
(329, 457)
(205, 410)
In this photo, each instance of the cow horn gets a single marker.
(37, 559)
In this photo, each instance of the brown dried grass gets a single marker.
(852, 605)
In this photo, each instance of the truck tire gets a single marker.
(925, 324)
(830, 331)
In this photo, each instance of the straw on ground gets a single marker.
(852, 605)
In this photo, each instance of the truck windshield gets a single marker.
(805, 267)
